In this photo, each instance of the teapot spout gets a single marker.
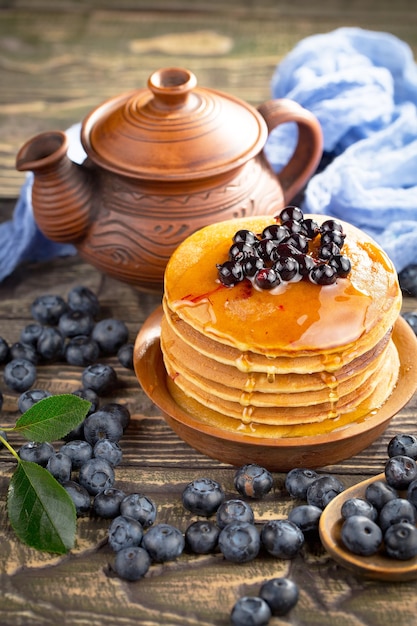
(62, 190)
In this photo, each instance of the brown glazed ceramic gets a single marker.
(275, 454)
(379, 566)
(161, 163)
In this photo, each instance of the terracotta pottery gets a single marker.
(279, 454)
(162, 162)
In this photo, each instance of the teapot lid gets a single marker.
(173, 130)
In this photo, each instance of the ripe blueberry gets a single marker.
(132, 563)
(250, 611)
(282, 538)
(239, 541)
(203, 496)
(253, 481)
(124, 532)
(281, 595)
(163, 542)
(96, 475)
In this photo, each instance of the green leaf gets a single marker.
(40, 511)
(52, 418)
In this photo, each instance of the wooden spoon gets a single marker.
(379, 566)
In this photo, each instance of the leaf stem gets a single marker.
(9, 447)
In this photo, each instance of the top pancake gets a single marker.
(296, 318)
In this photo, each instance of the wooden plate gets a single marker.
(378, 566)
(280, 454)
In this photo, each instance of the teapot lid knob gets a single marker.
(171, 86)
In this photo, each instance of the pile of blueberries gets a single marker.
(384, 520)
(281, 253)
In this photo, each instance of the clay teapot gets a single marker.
(162, 162)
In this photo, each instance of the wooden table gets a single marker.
(37, 588)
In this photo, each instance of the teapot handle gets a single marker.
(308, 151)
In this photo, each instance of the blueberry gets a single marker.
(118, 411)
(3, 434)
(282, 538)
(79, 495)
(4, 351)
(140, 507)
(60, 466)
(99, 377)
(81, 351)
(306, 517)
(79, 452)
(124, 532)
(277, 232)
(234, 510)
(31, 333)
(267, 278)
(323, 490)
(411, 317)
(163, 542)
(109, 450)
(379, 492)
(202, 536)
(408, 280)
(47, 309)
(405, 445)
(323, 274)
(28, 398)
(230, 273)
(21, 350)
(245, 236)
(341, 264)
(73, 323)
(240, 252)
(89, 395)
(298, 480)
(412, 493)
(132, 563)
(81, 298)
(19, 374)
(287, 269)
(359, 506)
(401, 541)
(102, 425)
(125, 356)
(396, 511)
(250, 611)
(331, 225)
(239, 542)
(310, 228)
(281, 595)
(96, 475)
(400, 471)
(361, 535)
(110, 335)
(253, 481)
(106, 504)
(37, 452)
(50, 344)
(203, 496)
(291, 213)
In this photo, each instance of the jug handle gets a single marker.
(308, 151)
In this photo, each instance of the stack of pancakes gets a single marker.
(301, 359)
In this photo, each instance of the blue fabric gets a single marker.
(362, 87)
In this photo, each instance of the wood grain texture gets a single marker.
(57, 62)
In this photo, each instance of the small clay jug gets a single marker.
(162, 162)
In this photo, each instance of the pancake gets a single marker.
(298, 359)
